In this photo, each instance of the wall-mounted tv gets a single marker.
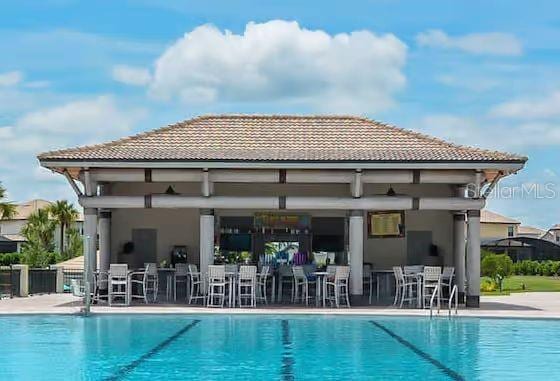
(235, 242)
(330, 243)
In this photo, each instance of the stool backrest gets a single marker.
(285, 270)
(118, 270)
(399, 275)
(342, 272)
(448, 272)
(247, 272)
(192, 268)
(181, 269)
(265, 270)
(151, 269)
(432, 273)
(414, 269)
(217, 272)
(298, 272)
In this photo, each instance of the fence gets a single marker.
(42, 281)
(70, 274)
(9, 282)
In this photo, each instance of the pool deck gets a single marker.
(518, 305)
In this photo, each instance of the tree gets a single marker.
(497, 267)
(75, 244)
(7, 209)
(39, 234)
(65, 215)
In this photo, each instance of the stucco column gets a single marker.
(90, 249)
(356, 251)
(473, 259)
(206, 239)
(459, 253)
(104, 242)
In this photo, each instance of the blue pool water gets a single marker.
(216, 347)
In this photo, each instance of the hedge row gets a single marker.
(7, 259)
(528, 267)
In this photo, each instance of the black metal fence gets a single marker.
(70, 274)
(9, 282)
(42, 281)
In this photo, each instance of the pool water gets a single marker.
(228, 347)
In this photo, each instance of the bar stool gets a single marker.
(118, 284)
(216, 285)
(246, 284)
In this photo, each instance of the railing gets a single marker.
(69, 275)
(9, 282)
(453, 296)
(434, 294)
(42, 281)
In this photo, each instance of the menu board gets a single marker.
(280, 221)
(386, 224)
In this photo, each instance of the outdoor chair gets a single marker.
(404, 286)
(181, 277)
(431, 281)
(119, 284)
(100, 282)
(146, 282)
(301, 285)
(368, 279)
(285, 278)
(216, 286)
(262, 283)
(77, 288)
(246, 284)
(337, 288)
(196, 284)
(447, 281)
(413, 269)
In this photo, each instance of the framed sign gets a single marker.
(386, 224)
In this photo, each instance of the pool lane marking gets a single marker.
(125, 370)
(448, 371)
(287, 370)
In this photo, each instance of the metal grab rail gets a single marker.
(436, 292)
(454, 294)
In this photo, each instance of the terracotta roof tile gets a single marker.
(489, 217)
(279, 138)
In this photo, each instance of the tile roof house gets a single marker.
(355, 181)
(495, 226)
(280, 138)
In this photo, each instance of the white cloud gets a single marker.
(74, 123)
(280, 61)
(131, 75)
(10, 78)
(501, 44)
(538, 108)
(477, 84)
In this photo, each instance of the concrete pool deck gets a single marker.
(517, 305)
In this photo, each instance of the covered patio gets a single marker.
(280, 192)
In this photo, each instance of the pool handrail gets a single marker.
(434, 293)
(452, 296)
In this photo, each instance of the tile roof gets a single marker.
(279, 138)
(530, 230)
(25, 209)
(489, 217)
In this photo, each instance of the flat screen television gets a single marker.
(330, 243)
(235, 242)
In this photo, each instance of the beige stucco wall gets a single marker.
(181, 226)
(496, 231)
(11, 226)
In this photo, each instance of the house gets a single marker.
(365, 191)
(495, 226)
(11, 239)
(553, 234)
(530, 232)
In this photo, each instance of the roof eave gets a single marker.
(507, 165)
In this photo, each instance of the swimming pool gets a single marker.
(227, 347)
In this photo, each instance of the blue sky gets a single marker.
(484, 73)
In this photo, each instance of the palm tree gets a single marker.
(39, 229)
(7, 209)
(65, 215)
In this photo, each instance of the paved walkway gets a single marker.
(525, 305)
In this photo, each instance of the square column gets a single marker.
(206, 239)
(90, 251)
(459, 253)
(356, 251)
(473, 259)
(104, 242)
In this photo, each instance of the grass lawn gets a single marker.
(533, 283)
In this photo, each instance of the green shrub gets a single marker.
(487, 285)
(497, 267)
(7, 259)
(544, 268)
